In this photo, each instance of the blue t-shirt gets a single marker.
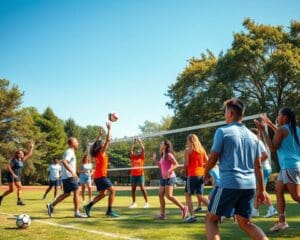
(238, 148)
(16, 166)
(215, 173)
(289, 151)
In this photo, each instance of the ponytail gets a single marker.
(290, 113)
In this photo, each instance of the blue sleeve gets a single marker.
(218, 141)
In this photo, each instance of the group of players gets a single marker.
(238, 162)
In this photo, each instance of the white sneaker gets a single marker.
(255, 213)
(147, 205)
(80, 215)
(271, 212)
(133, 205)
(279, 226)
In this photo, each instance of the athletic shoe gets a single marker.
(80, 215)
(147, 205)
(20, 203)
(161, 217)
(279, 226)
(87, 210)
(184, 212)
(112, 214)
(50, 209)
(133, 205)
(1, 198)
(198, 209)
(190, 219)
(254, 213)
(271, 212)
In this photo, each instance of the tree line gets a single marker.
(262, 67)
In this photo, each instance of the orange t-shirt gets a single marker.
(101, 165)
(196, 163)
(137, 161)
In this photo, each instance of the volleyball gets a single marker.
(23, 221)
(113, 117)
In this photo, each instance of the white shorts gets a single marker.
(291, 175)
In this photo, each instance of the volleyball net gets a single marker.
(119, 149)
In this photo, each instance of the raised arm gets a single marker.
(132, 146)
(28, 155)
(107, 140)
(267, 120)
(139, 141)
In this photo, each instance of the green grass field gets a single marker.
(132, 224)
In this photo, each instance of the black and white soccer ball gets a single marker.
(23, 221)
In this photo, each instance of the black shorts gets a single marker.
(194, 184)
(70, 185)
(11, 179)
(102, 183)
(54, 183)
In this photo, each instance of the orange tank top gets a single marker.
(101, 165)
(196, 163)
(137, 161)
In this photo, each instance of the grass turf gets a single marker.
(135, 223)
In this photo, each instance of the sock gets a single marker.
(109, 209)
(90, 204)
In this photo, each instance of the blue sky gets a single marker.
(87, 58)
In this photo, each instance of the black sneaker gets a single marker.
(198, 209)
(20, 203)
(50, 209)
(1, 198)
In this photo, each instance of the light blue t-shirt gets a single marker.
(215, 173)
(238, 148)
(70, 157)
(54, 171)
(289, 151)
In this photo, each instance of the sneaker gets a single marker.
(161, 217)
(184, 212)
(279, 226)
(87, 210)
(50, 209)
(271, 212)
(254, 213)
(133, 205)
(1, 198)
(190, 219)
(147, 205)
(80, 215)
(20, 203)
(198, 209)
(223, 219)
(112, 214)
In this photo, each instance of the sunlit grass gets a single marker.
(133, 223)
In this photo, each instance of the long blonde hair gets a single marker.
(195, 143)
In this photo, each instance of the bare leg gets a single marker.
(280, 200)
(111, 197)
(133, 189)
(189, 203)
(82, 192)
(294, 190)
(144, 191)
(169, 195)
(19, 188)
(9, 190)
(161, 195)
(89, 187)
(60, 198)
(211, 227)
(250, 228)
(76, 200)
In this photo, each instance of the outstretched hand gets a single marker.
(108, 125)
(32, 143)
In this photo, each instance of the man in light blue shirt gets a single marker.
(238, 151)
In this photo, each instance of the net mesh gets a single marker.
(118, 151)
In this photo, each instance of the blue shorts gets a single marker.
(137, 180)
(224, 200)
(194, 184)
(53, 183)
(70, 185)
(267, 173)
(102, 183)
(85, 179)
(167, 182)
(11, 179)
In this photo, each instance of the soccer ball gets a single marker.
(23, 221)
(113, 116)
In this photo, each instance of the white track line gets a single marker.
(79, 229)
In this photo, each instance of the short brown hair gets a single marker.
(236, 105)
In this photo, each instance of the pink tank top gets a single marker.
(165, 165)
